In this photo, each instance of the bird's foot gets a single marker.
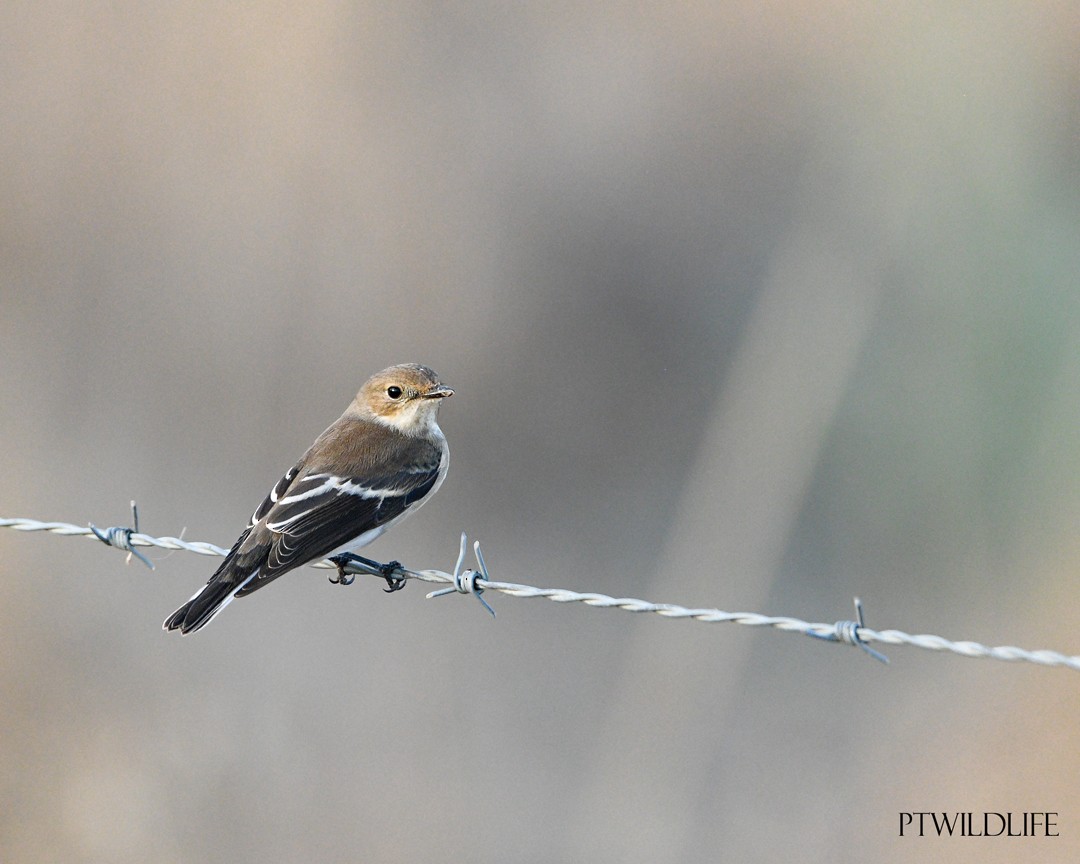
(342, 578)
(394, 583)
(387, 571)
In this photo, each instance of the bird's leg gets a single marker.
(394, 583)
(386, 571)
(343, 578)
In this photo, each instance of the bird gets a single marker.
(372, 467)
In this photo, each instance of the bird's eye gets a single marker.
(393, 391)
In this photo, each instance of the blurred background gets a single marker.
(748, 305)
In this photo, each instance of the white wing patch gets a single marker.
(310, 493)
(330, 487)
(334, 484)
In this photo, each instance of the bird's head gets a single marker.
(406, 397)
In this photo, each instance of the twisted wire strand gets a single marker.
(475, 582)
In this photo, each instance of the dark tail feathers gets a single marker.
(214, 596)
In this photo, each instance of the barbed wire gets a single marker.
(476, 582)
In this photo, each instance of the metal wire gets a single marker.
(477, 581)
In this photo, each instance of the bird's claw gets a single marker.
(394, 583)
(387, 571)
(342, 578)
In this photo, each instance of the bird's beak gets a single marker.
(440, 392)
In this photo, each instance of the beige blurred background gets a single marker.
(755, 306)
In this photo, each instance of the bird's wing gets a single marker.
(280, 488)
(316, 513)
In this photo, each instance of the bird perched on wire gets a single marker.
(374, 465)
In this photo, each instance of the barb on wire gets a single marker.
(466, 583)
(121, 537)
(473, 582)
(848, 633)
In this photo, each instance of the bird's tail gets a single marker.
(214, 596)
